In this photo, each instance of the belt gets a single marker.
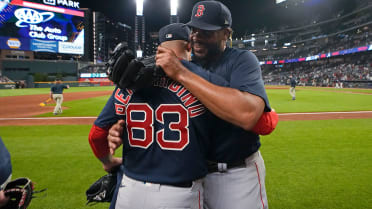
(186, 184)
(223, 167)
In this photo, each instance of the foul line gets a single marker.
(322, 113)
(48, 118)
(304, 113)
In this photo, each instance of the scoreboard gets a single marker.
(31, 26)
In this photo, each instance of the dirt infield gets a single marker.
(19, 110)
(16, 109)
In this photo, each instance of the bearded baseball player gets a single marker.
(165, 139)
(236, 178)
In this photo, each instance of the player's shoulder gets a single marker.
(240, 54)
(189, 64)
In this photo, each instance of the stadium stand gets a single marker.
(352, 71)
(331, 50)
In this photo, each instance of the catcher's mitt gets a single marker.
(20, 192)
(102, 190)
(134, 73)
(118, 62)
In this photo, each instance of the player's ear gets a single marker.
(188, 46)
(228, 33)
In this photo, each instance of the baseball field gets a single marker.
(319, 156)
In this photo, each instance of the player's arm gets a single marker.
(51, 92)
(238, 107)
(98, 136)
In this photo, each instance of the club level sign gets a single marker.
(65, 3)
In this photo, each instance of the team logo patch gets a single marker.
(169, 35)
(200, 11)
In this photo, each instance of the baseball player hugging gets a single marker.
(165, 139)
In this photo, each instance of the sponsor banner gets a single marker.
(363, 48)
(65, 3)
(44, 46)
(14, 43)
(97, 81)
(327, 55)
(70, 48)
(33, 21)
(94, 79)
(93, 75)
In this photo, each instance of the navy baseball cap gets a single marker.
(210, 15)
(175, 31)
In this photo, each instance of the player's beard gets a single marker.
(206, 52)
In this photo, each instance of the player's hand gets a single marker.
(3, 199)
(114, 136)
(112, 164)
(169, 62)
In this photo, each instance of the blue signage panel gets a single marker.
(44, 46)
(14, 43)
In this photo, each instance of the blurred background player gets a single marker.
(56, 93)
(5, 172)
(292, 89)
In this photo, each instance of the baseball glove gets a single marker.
(140, 73)
(118, 62)
(20, 192)
(102, 190)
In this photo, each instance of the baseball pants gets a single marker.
(59, 99)
(135, 194)
(292, 92)
(237, 188)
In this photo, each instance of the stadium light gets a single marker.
(174, 7)
(139, 7)
(139, 53)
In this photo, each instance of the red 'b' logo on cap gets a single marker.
(200, 11)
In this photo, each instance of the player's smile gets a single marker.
(198, 46)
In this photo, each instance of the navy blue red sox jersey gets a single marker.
(242, 71)
(167, 130)
(58, 88)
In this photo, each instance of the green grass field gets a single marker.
(34, 91)
(308, 100)
(310, 164)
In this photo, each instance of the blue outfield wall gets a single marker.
(21, 69)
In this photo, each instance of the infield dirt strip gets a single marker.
(20, 110)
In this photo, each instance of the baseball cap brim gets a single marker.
(203, 26)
